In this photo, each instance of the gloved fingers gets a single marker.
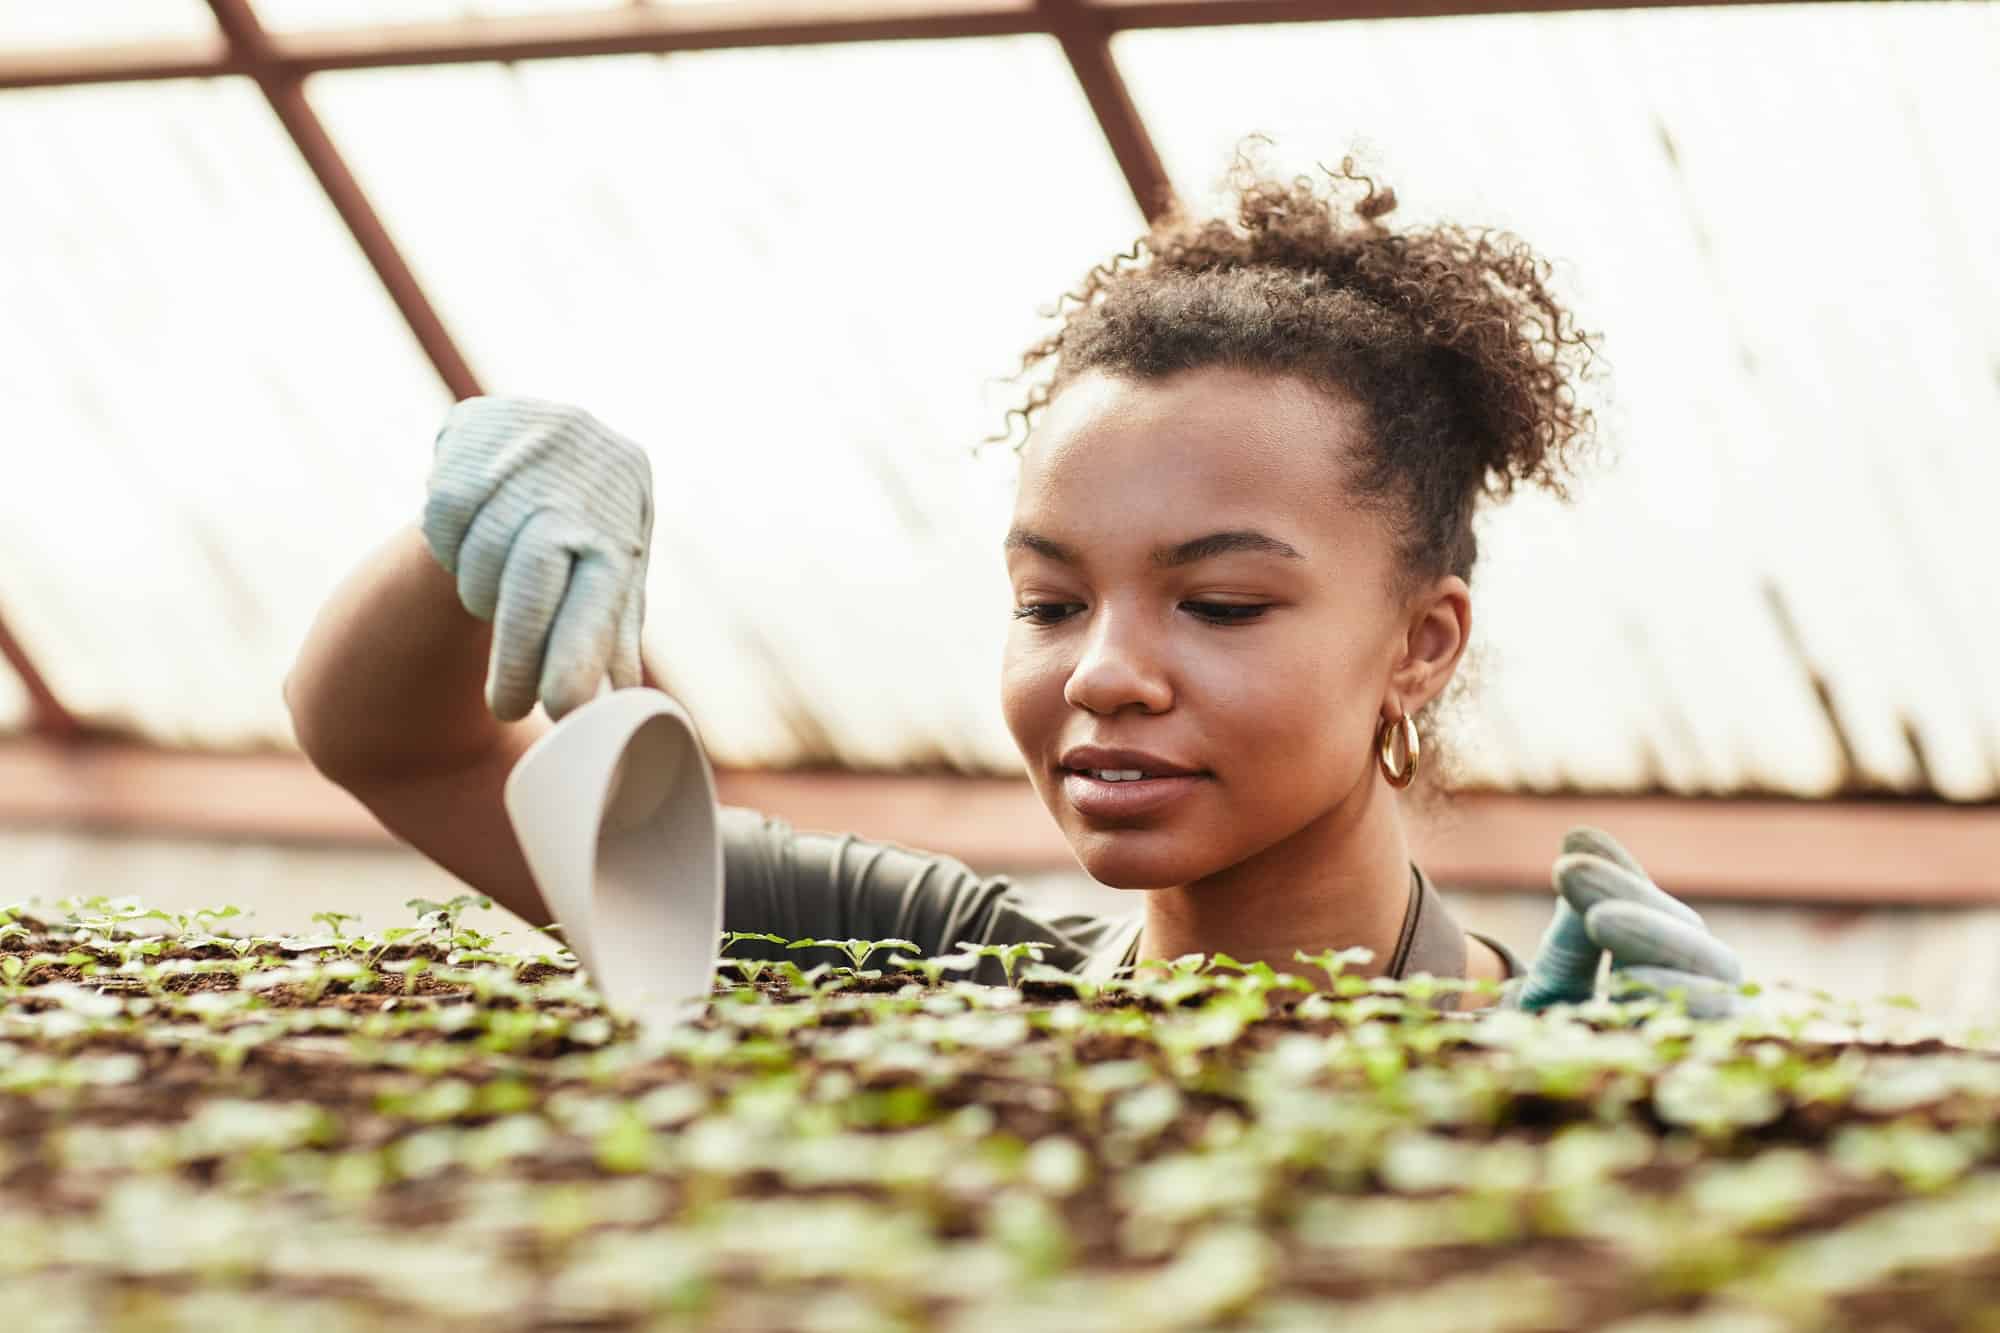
(1585, 880)
(1564, 970)
(1645, 935)
(490, 544)
(537, 572)
(584, 634)
(625, 659)
(1583, 839)
(448, 513)
(460, 482)
(1705, 996)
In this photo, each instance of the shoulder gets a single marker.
(842, 885)
(1494, 962)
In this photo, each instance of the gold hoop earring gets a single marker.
(1412, 748)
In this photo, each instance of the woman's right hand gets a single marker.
(546, 518)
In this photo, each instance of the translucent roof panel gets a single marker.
(282, 15)
(213, 408)
(44, 24)
(786, 273)
(1782, 221)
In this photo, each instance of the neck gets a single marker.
(1341, 881)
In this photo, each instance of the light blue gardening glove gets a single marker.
(1606, 901)
(546, 517)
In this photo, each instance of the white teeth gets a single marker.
(1117, 774)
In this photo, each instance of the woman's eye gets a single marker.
(1033, 612)
(1225, 613)
(1218, 613)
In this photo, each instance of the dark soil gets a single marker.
(506, 1071)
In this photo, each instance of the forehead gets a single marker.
(1130, 455)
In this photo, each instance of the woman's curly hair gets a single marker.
(1448, 336)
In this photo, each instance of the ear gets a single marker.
(1439, 627)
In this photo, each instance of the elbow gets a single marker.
(303, 732)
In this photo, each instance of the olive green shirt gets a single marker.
(837, 886)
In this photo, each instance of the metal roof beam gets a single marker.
(1086, 40)
(662, 28)
(1128, 14)
(48, 717)
(134, 62)
(1826, 852)
(284, 89)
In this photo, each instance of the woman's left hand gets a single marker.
(1606, 901)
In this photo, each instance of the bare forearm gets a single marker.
(391, 678)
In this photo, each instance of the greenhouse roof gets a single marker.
(268, 253)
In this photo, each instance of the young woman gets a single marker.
(1240, 556)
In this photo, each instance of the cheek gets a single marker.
(1300, 710)
(1031, 690)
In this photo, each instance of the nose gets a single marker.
(1119, 666)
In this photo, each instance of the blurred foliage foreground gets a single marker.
(410, 1129)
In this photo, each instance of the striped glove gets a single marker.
(1606, 901)
(546, 518)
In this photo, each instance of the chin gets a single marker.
(1135, 858)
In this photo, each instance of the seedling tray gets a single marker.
(413, 1129)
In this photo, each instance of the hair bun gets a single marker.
(1376, 203)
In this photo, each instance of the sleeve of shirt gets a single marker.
(1507, 956)
(801, 885)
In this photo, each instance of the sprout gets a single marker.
(857, 951)
(1032, 1230)
(933, 969)
(333, 920)
(628, 1144)
(808, 980)
(1049, 972)
(1008, 954)
(441, 919)
(1334, 962)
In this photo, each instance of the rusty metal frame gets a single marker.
(654, 29)
(1085, 35)
(284, 89)
(1821, 852)
(47, 716)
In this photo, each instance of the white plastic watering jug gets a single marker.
(615, 811)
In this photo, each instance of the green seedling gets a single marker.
(1008, 954)
(441, 919)
(749, 968)
(1256, 976)
(333, 920)
(389, 937)
(807, 980)
(1334, 961)
(1187, 967)
(933, 969)
(731, 938)
(857, 951)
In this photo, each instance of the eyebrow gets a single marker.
(1164, 557)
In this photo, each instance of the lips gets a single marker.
(1098, 799)
(1086, 758)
